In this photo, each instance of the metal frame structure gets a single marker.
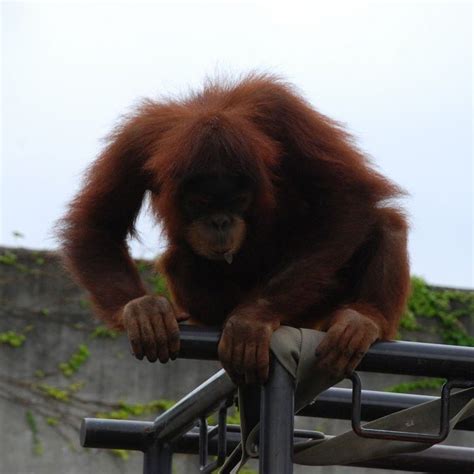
(183, 428)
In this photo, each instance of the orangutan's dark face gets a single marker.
(214, 207)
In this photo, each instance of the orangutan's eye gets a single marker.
(201, 200)
(241, 200)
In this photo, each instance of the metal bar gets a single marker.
(440, 458)
(394, 357)
(158, 459)
(221, 434)
(203, 433)
(401, 435)
(221, 430)
(336, 403)
(200, 402)
(276, 425)
(417, 358)
(198, 342)
(116, 434)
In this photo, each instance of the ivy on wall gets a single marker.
(448, 307)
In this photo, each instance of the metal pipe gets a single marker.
(394, 357)
(116, 434)
(198, 342)
(202, 401)
(337, 403)
(276, 422)
(158, 459)
(417, 358)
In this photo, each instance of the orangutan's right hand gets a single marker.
(152, 327)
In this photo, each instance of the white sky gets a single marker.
(399, 74)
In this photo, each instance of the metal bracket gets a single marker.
(405, 435)
(205, 435)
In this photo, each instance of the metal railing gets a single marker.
(176, 431)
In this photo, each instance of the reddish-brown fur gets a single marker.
(323, 232)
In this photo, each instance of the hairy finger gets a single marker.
(330, 340)
(354, 362)
(224, 351)
(250, 363)
(133, 332)
(360, 345)
(147, 336)
(172, 333)
(329, 360)
(237, 361)
(181, 316)
(263, 361)
(161, 337)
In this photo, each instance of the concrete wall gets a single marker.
(40, 302)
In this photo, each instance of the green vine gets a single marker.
(159, 284)
(122, 454)
(31, 422)
(103, 332)
(446, 306)
(9, 258)
(233, 417)
(54, 392)
(61, 394)
(422, 384)
(52, 421)
(74, 363)
(128, 410)
(12, 338)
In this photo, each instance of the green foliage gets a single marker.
(8, 258)
(142, 265)
(409, 322)
(76, 386)
(61, 394)
(233, 418)
(44, 312)
(76, 361)
(123, 454)
(11, 259)
(54, 392)
(84, 304)
(31, 422)
(12, 338)
(104, 332)
(422, 384)
(160, 286)
(52, 421)
(446, 306)
(128, 410)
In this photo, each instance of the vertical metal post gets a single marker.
(158, 459)
(276, 422)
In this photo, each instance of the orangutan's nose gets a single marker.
(220, 222)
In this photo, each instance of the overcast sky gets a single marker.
(398, 74)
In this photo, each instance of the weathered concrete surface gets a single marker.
(40, 301)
